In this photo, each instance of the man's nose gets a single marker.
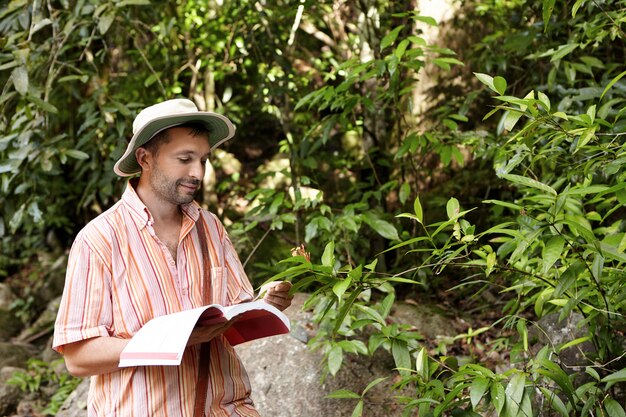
(197, 170)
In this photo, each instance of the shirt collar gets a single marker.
(140, 213)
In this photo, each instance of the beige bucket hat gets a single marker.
(164, 115)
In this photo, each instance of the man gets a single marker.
(157, 252)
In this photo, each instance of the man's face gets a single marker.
(178, 166)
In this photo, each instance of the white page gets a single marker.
(162, 340)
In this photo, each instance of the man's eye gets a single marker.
(184, 160)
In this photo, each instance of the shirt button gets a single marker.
(172, 263)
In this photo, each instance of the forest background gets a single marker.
(482, 168)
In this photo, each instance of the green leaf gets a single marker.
(358, 410)
(133, 3)
(555, 373)
(555, 402)
(490, 263)
(613, 408)
(499, 83)
(20, 79)
(544, 100)
(573, 343)
(426, 19)
(523, 332)
(487, 80)
(563, 50)
(382, 227)
(105, 22)
(528, 182)
(42, 104)
(328, 257)
(514, 393)
(417, 208)
(76, 154)
(597, 266)
(390, 38)
(343, 393)
(497, 396)
(507, 204)
(548, 7)
(477, 390)
(511, 117)
(421, 363)
(576, 6)
(404, 193)
(335, 358)
(619, 376)
(401, 356)
(40, 25)
(373, 383)
(586, 136)
(552, 252)
(34, 212)
(452, 208)
(613, 81)
(341, 286)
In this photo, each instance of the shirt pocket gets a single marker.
(218, 286)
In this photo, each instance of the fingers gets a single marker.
(205, 333)
(278, 295)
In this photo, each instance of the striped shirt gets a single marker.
(119, 276)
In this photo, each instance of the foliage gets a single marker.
(555, 241)
(355, 167)
(40, 375)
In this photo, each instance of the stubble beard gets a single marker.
(168, 189)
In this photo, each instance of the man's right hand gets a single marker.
(205, 333)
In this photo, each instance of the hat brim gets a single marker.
(220, 130)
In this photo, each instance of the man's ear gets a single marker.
(144, 158)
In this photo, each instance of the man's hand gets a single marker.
(204, 333)
(277, 294)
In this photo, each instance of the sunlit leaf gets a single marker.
(341, 286)
(477, 390)
(20, 79)
(613, 408)
(401, 356)
(382, 227)
(529, 182)
(390, 37)
(499, 83)
(552, 252)
(452, 208)
(548, 7)
(610, 84)
(335, 359)
(328, 257)
(358, 410)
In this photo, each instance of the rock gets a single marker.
(10, 324)
(550, 331)
(43, 326)
(9, 394)
(424, 319)
(286, 376)
(16, 354)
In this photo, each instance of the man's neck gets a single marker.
(162, 212)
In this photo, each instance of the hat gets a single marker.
(161, 116)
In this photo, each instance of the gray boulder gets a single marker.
(9, 393)
(10, 324)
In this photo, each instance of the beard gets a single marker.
(171, 190)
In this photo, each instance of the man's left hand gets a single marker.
(277, 294)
